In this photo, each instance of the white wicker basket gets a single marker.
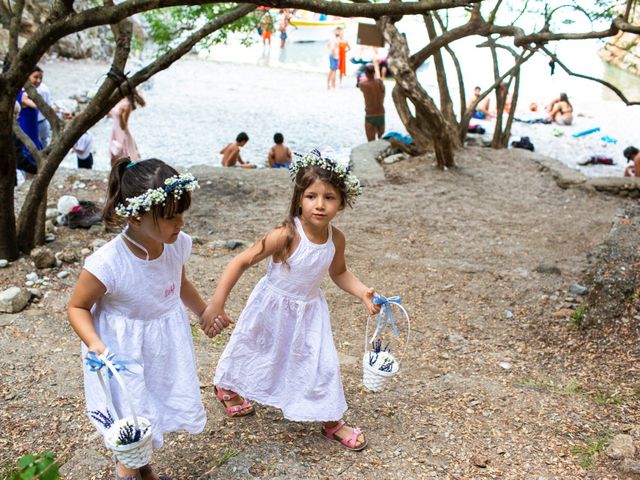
(133, 455)
(372, 377)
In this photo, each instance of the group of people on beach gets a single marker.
(559, 110)
(279, 155)
(128, 308)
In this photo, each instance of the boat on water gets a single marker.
(313, 27)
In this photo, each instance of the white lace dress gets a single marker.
(143, 318)
(281, 352)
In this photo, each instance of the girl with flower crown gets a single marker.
(130, 301)
(281, 352)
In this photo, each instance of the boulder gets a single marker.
(14, 299)
(43, 257)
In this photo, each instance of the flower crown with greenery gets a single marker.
(141, 204)
(314, 158)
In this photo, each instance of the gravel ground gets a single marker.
(494, 384)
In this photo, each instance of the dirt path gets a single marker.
(491, 378)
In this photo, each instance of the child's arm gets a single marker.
(87, 292)
(194, 302)
(346, 280)
(271, 158)
(190, 296)
(273, 242)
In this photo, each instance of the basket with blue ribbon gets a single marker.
(378, 363)
(129, 438)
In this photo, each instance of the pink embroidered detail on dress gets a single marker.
(170, 290)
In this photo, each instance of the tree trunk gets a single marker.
(8, 244)
(428, 126)
(446, 105)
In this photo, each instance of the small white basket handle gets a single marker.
(367, 341)
(116, 374)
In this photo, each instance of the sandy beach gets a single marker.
(198, 106)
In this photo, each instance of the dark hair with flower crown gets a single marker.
(305, 170)
(132, 179)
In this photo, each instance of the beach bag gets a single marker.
(129, 438)
(524, 142)
(378, 363)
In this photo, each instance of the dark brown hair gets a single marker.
(130, 179)
(304, 178)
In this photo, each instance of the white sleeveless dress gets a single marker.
(142, 317)
(281, 352)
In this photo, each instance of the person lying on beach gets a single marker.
(632, 154)
(560, 110)
(231, 153)
(279, 155)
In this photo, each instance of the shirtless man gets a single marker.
(372, 89)
(632, 154)
(279, 154)
(334, 57)
(231, 153)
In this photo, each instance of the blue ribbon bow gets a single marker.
(386, 314)
(95, 363)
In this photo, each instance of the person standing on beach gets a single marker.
(231, 153)
(372, 89)
(343, 48)
(334, 53)
(285, 16)
(44, 129)
(266, 26)
(28, 121)
(122, 143)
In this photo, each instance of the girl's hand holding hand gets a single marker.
(213, 320)
(367, 299)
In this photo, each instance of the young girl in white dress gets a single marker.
(130, 298)
(281, 352)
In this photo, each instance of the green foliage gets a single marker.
(41, 466)
(587, 453)
(605, 398)
(577, 317)
(170, 26)
(226, 456)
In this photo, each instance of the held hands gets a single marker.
(367, 299)
(213, 320)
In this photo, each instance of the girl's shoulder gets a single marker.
(338, 236)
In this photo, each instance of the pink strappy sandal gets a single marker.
(349, 442)
(234, 410)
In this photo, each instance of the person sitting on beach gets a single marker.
(279, 154)
(560, 110)
(477, 113)
(632, 154)
(231, 153)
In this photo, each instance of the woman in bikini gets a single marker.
(560, 110)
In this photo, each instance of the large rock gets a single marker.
(43, 257)
(621, 446)
(14, 299)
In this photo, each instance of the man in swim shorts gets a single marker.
(334, 55)
(372, 89)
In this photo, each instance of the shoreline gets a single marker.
(193, 123)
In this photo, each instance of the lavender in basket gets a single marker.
(106, 420)
(381, 358)
(129, 434)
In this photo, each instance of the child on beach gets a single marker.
(281, 352)
(84, 150)
(279, 154)
(231, 153)
(130, 302)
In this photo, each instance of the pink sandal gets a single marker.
(349, 442)
(234, 410)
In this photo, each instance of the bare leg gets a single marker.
(380, 131)
(370, 131)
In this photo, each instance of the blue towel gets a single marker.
(398, 136)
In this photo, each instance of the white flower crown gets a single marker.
(141, 204)
(315, 158)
